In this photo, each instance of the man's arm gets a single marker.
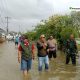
(33, 51)
(67, 44)
(39, 46)
(76, 48)
(76, 45)
(19, 56)
(56, 44)
(19, 53)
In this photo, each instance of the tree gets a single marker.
(60, 26)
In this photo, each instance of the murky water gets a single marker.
(10, 68)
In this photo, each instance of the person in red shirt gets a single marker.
(25, 55)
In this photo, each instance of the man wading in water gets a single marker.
(52, 45)
(71, 49)
(25, 55)
(42, 53)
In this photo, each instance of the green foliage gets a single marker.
(65, 33)
(60, 26)
(31, 35)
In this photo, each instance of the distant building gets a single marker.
(2, 32)
(2, 35)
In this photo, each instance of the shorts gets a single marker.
(16, 43)
(52, 54)
(26, 64)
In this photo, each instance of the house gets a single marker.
(2, 35)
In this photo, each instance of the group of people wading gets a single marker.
(46, 50)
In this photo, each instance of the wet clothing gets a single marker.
(26, 65)
(41, 51)
(71, 49)
(52, 48)
(26, 51)
(52, 54)
(16, 40)
(26, 55)
(73, 58)
(42, 60)
(16, 43)
(71, 45)
(52, 44)
(42, 55)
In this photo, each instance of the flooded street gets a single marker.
(10, 68)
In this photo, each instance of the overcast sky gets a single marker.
(27, 13)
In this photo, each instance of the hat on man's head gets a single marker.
(42, 36)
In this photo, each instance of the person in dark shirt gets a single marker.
(42, 53)
(71, 49)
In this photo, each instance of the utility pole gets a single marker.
(7, 28)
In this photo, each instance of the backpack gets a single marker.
(26, 53)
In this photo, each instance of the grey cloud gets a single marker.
(28, 13)
(29, 9)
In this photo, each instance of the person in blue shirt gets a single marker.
(16, 40)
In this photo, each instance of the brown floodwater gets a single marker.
(10, 68)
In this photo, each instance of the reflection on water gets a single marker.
(10, 68)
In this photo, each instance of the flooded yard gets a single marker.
(10, 68)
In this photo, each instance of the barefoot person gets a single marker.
(25, 55)
(42, 53)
